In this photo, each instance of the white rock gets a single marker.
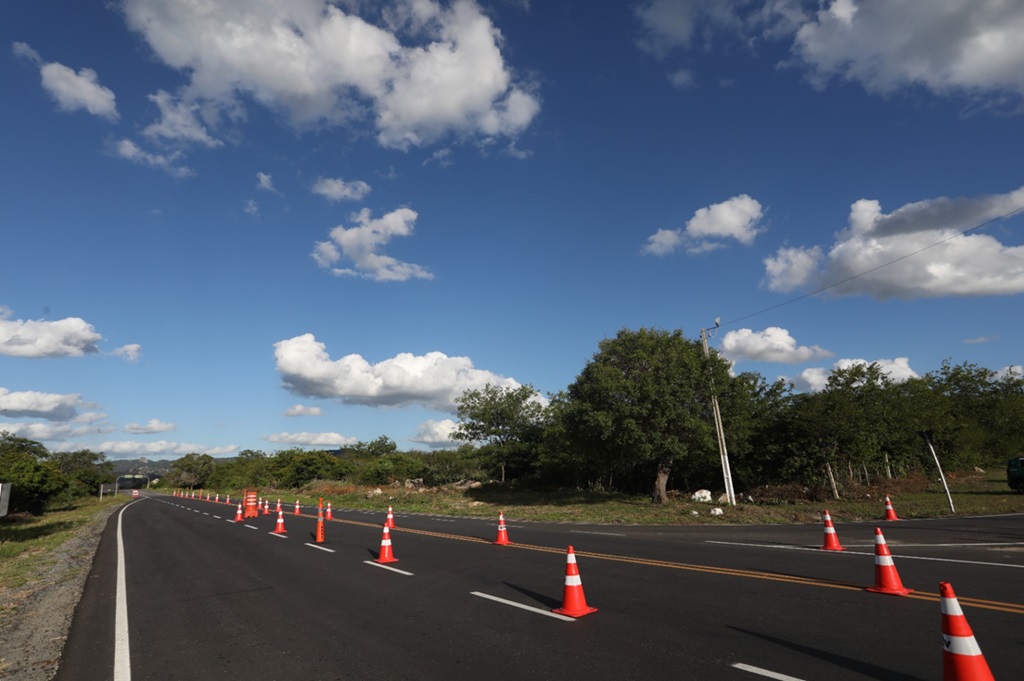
(717, 511)
(694, 512)
(701, 495)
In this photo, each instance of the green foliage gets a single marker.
(507, 421)
(192, 471)
(40, 478)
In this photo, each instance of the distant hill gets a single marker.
(142, 466)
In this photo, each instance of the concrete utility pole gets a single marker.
(723, 451)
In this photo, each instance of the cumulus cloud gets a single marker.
(38, 405)
(433, 380)
(945, 46)
(302, 410)
(737, 219)
(149, 427)
(336, 189)
(251, 208)
(70, 337)
(169, 163)
(816, 379)
(265, 182)
(130, 352)
(311, 439)
(435, 434)
(179, 122)
(71, 90)
(424, 72)
(1014, 371)
(774, 344)
(161, 449)
(923, 236)
(361, 245)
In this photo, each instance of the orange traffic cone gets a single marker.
(297, 508)
(330, 513)
(278, 509)
(266, 507)
(887, 580)
(574, 603)
(961, 657)
(228, 500)
(217, 498)
(831, 540)
(502, 539)
(279, 528)
(386, 554)
(238, 516)
(390, 522)
(890, 512)
(320, 527)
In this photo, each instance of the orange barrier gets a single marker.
(574, 603)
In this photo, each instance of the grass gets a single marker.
(28, 542)
(974, 493)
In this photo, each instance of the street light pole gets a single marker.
(723, 451)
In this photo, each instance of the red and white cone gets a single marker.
(330, 512)
(278, 509)
(887, 580)
(228, 500)
(390, 521)
(831, 540)
(217, 498)
(890, 512)
(297, 512)
(387, 555)
(502, 539)
(266, 507)
(961, 656)
(238, 516)
(279, 528)
(574, 603)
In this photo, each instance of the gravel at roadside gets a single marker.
(37, 616)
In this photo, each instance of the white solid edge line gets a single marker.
(546, 613)
(387, 567)
(275, 534)
(764, 672)
(122, 653)
(322, 548)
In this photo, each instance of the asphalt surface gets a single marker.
(211, 598)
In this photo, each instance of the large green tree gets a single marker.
(192, 470)
(507, 420)
(34, 480)
(644, 400)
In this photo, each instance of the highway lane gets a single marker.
(208, 596)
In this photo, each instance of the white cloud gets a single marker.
(361, 245)
(130, 352)
(681, 78)
(815, 379)
(435, 434)
(70, 337)
(161, 449)
(302, 410)
(169, 163)
(433, 380)
(151, 426)
(429, 71)
(72, 90)
(922, 236)
(179, 122)
(265, 182)
(1016, 370)
(774, 344)
(252, 208)
(311, 439)
(32, 404)
(950, 46)
(737, 218)
(981, 339)
(336, 189)
(59, 435)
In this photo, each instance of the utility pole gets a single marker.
(723, 451)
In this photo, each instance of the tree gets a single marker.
(84, 469)
(505, 419)
(192, 470)
(644, 400)
(34, 480)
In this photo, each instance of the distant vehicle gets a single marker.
(1015, 473)
(135, 492)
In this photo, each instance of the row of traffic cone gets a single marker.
(962, 659)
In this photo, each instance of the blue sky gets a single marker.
(234, 224)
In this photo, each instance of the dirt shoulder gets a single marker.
(37, 616)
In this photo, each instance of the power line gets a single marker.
(875, 269)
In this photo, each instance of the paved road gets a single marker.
(209, 598)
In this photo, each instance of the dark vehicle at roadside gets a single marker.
(1015, 473)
